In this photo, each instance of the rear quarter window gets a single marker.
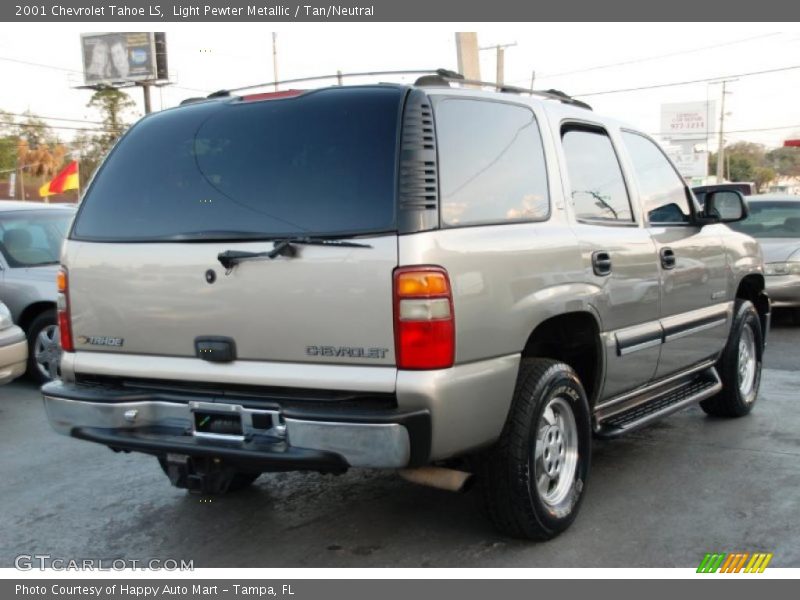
(491, 163)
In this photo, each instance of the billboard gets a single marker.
(119, 58)
(689, 164)
(687, 120)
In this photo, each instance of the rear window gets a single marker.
(33, 238)
(319, 164)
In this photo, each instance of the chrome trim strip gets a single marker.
(695, 329)
(624, 350)
(652, 386)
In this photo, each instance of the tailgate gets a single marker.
(325, 305)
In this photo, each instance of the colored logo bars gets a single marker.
(735, 562)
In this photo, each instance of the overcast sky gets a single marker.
(208, 57)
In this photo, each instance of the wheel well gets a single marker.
(751, 287)
(32, 311)
(572, 338)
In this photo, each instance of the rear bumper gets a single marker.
(13, 354)
(160, 423)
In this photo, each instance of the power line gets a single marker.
(737, 130)
(649, 58)
(677, 83)
(67, 70)
(46, 126)
(35, 116)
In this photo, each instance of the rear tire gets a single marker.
(534, 477)
(44, 348)
(739, 367)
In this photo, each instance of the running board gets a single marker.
(653, 404)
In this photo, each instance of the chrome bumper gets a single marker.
(358, 444)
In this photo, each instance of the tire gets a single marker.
(239, 481)
(739, 366)
(549, 417)
(44, 348)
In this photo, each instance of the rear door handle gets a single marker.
(667, 258)
(601, 263)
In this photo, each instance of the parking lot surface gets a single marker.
(660, 497)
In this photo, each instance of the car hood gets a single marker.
(779, 249)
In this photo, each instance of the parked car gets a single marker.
(774, 221)
(13, 347)
(31, 236)
(441, 280)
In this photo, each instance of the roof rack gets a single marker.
(443, 77)
(427, 77)
(338, 76)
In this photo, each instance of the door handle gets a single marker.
(667, 258)
(601, 263)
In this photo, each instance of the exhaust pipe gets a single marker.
(441, 478)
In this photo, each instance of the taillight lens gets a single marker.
(424, 324)
(62, 305)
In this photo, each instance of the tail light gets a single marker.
(424, 324)
(62, 304)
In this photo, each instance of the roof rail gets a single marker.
(427, 77)
(337, 76)
(511, 89)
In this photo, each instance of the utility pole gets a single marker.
(467, 54)
(501, 59)
(275, 59)
(721, 143)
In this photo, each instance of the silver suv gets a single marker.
(431, 278)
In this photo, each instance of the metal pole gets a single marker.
(338, 77)
(721, 146)
(533, 78)
(501, 54)
(146, 92)
(21, 181)
(275, 59)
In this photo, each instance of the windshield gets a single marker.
(771, 219)
(33, 238)
(322, 163)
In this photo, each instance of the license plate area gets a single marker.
(233, 421)
(214, 423)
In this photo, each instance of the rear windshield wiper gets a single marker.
(282, 247)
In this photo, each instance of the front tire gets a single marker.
(534, 477)
(739, 367)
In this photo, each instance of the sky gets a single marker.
(580, 59)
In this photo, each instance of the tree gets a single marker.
(785, 161)
(746, 161)
(114, 106)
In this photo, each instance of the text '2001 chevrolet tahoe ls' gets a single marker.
(399, 276)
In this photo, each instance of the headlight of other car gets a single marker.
(5, 317)
(782, 268)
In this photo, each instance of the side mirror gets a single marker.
(725, 206)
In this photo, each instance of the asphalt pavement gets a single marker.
(660, 497)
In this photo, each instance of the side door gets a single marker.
(694, 311)
(619, 256)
